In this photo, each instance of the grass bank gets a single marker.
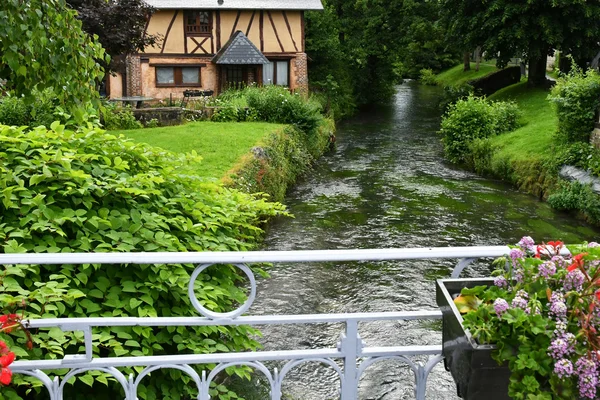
(456, 75)
(220, 144)
(524, 156)
(251, 156)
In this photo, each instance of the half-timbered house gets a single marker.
(210, 45)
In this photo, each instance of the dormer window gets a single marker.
(198, 23)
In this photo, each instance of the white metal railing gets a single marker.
(350, 359)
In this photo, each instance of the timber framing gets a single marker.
(196, 32)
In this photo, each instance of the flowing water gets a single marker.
(387, 185)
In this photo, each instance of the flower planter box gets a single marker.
(476, 374)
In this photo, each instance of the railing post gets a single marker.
(350, 346)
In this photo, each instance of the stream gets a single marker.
(387, 185)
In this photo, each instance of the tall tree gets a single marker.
(119, 24)
(42, 46)
(528, 29)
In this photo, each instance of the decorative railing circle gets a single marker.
(216, 315)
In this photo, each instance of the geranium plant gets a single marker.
(543, 316)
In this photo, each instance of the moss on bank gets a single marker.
(277, 161)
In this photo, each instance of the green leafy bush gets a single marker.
(270, 104)
(119, 117)
(427, 77)
(475, 118)
(453, 93)
(279, 159)
(14, 111)
(575, 196)
(87, 191)
(41, 111)
(576, 97)
(582, 155)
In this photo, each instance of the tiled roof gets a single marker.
(238, 4)
(241, 51)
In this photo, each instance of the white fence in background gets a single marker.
(350, 359)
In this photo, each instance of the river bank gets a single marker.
(531, 156)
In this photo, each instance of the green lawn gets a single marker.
(456, 75)
(533, 140)
(221, 144)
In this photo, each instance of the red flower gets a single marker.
(8, 322)
(5, 376)
(577, 262)
(598, 294)
(3, 348)
(556, 244)
(8, 359)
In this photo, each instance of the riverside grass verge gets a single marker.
(220, 144)
(456, 76)
(525, 156)
(251, 156)
(530, 156)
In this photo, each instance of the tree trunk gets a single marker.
(537, 72)
(477, 58)
(467, 61)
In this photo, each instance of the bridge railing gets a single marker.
(349, 359)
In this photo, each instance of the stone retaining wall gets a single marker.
(166, 116)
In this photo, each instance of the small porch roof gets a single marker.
(239, 50)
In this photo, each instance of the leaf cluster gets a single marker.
(88, 191)
(576, 99)
(474, 118)
(42, 46)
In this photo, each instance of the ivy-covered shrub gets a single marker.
(576, 98)
(427, 77)
(116, 117)
(575, 196)
(88, 191)
(475, 118)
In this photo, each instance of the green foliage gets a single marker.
(513, 27)
(427, 77)
(42, 46)
(42, 111)
(86, 191)
(576, 97)
(279, 159)
(273, 104)
(475, 118)
(453, 93)
(582, 155)
(276, 104)
(575, 196)
(518, 315)
(119, 117)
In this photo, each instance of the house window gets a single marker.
(178, 76)
(198, 23)
(277, 73)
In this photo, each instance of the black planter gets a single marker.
(477, 375)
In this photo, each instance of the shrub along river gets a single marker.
(387, 185)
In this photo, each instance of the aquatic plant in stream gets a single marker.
(543, 315)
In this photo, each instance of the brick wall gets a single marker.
(301, 73)
(134, 76)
